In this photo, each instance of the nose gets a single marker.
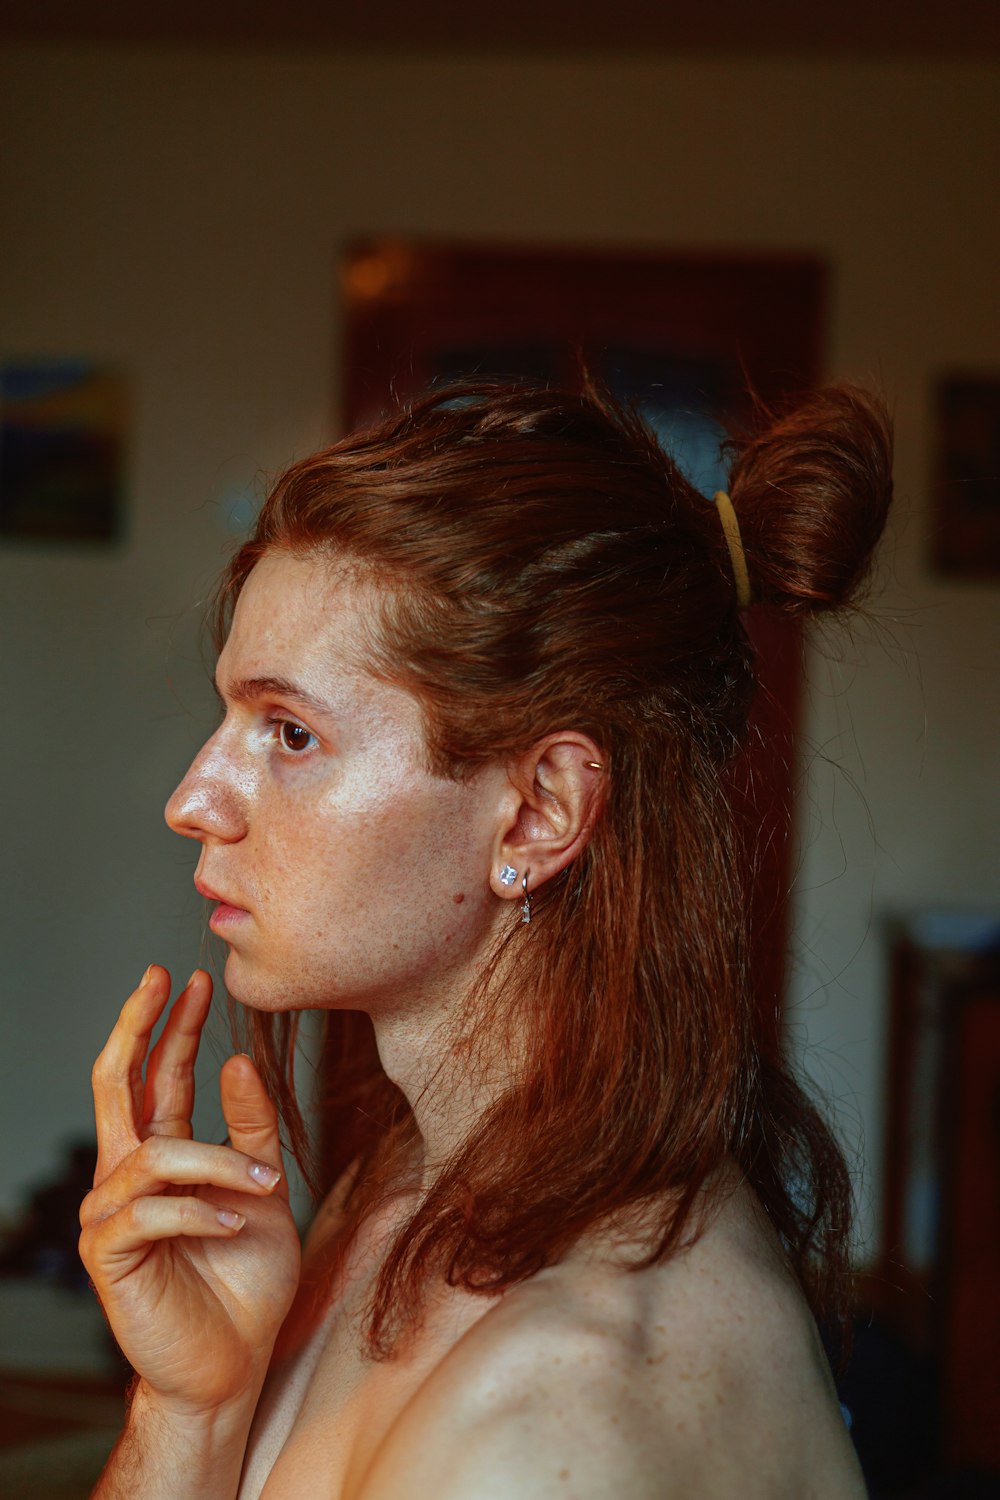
(208, 804)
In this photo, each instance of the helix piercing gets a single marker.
(508, 875)
(594, 765)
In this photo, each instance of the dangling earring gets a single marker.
(508, 875)
(528, 898)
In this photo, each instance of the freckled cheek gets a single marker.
(386, 852)
(336, 858)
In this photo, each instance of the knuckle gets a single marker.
(93, 1240)
(135, 1215)
(189, 1211)
(154, 1152)
(175, 1126)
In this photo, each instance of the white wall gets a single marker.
(181, 215)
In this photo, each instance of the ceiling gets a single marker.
(920, 28)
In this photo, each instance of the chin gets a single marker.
(247, 986)
(267, 989)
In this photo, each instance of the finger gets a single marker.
(110, 1248)
(117, 1075)
(163, 1162)
(168, 1099)
(250, 1114)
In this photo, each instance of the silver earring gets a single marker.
(526, 903)
(508, 875)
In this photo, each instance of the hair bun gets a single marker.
(812, 493)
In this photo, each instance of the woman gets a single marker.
(483, 670)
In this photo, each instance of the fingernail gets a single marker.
(145, 976)
(231, 1220)
(262, 1173)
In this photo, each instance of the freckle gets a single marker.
(458, 897)
(563, 1473)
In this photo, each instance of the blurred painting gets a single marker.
(966, 522)
(62, 439)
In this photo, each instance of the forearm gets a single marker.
(169, 1457)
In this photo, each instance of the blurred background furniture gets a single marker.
(930, 1332)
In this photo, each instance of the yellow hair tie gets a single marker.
(731, 532)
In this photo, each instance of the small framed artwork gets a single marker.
(965, 536)
(62, 442)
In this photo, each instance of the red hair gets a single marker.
(544, 565)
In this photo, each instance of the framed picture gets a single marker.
(62, 439)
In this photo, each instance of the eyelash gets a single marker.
(281, 724)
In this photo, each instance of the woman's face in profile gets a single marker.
(346, 872)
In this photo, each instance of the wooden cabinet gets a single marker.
(939, 1277)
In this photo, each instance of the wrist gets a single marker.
(169, 1451)
(211, 1429)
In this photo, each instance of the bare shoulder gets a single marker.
(702, 1376)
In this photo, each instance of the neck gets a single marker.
(434, 1050)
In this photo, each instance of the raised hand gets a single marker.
(191, 1247)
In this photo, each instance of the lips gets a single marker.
(207, 891)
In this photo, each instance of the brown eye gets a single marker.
(293, 736)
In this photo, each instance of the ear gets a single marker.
(556, 792)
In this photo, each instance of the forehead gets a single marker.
(308, 620)
(286, 600)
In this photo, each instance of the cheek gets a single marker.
(410, 855)
(419, 870)
(359, 903)
(418, 867)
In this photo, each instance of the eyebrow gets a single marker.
(250, 689)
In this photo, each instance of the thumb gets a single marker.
(250, 1114)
